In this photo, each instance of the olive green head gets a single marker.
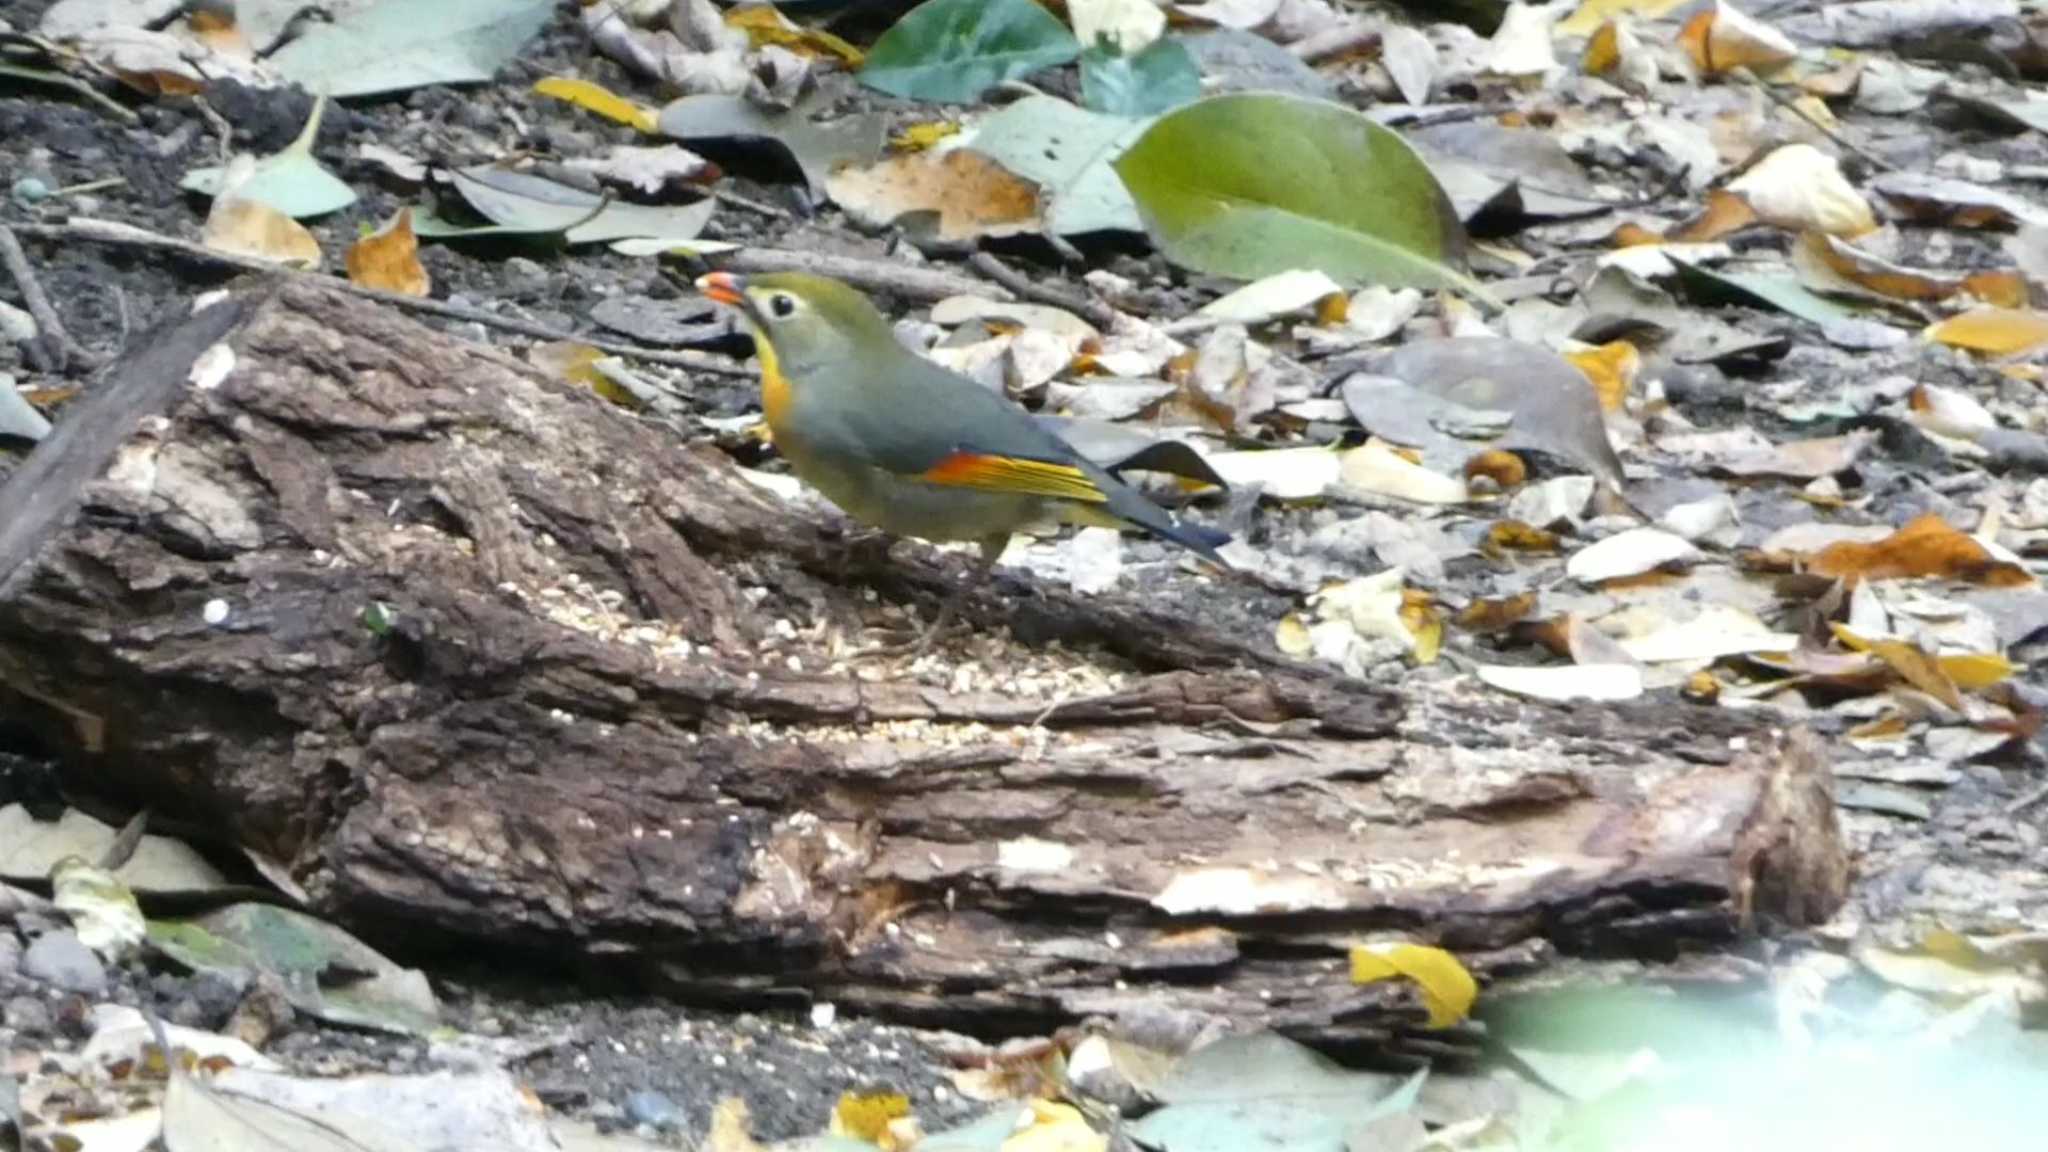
(807, 321)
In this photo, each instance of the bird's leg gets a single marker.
(991, 551)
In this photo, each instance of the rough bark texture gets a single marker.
(567, 739)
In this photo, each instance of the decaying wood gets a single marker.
(566, 736)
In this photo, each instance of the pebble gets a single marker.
(10, 953)
(26, 1014)
(62, 961)
(654, 1110)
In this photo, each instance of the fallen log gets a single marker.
(483, 658)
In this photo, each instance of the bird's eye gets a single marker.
(782, 305)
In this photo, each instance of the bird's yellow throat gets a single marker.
(774, 385)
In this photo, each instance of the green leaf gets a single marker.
(1068, 152)
(1261, 1091)
(398, 44)
(325, 971)
(1251, 184)
(1161, 77)
(816, 148)
(952, 51)
(292, 181)
(1782, 292)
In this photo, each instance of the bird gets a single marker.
(910, 447)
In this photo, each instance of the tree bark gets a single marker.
(567, 735)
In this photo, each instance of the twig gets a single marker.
(1094, 311)
(1782, 101)
(57, 344)
(112, 106)
(749, 203)
(127, 235)
(2028, 801)
(875, 275)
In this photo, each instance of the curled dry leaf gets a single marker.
(1860, 269)
(1926, 547)
(1948, 412)
(962, 194)
(1722, 38)
(256, 230)
(1800, 188)
(1616, 52)
(389, 259)
(1376, 468)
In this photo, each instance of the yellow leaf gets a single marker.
(1998, 331)
(596, 98)
(1612, 368)
(918, 137)
(729, 1129)
(1485, 616)
(1592, 13)
(1973, 671)
(1910, 661)
(1424, 623)
(1448, 990)
(764, 25)
(1291, 636)
(1055, 1128)
(389, 259)
(867, 1117)
(1603, 50)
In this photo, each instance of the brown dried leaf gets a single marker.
(967, 194)
(389, 259)
(1926, 547)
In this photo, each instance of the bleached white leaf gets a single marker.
(1566, 681)
(1280, 294)
(1629, 553)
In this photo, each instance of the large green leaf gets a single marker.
(1252, 184)
(398, 44)
(955, 50)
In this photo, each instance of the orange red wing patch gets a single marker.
(1011, 474)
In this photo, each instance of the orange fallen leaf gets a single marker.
(1504, 468)
(389, 258)
(1495, 615)
(1724, 212)
(1515, 536)
(967, 194)
(254, 229)
(1424, 622)
(1926, 547)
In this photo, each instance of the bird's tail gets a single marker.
(1127, 507)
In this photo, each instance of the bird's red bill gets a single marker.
(1015, 475)
(723, 287)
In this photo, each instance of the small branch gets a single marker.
(1094, 311)
(908, 280)
(1782, 101)
(58, 347)
(128, 236)
(112, 106)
